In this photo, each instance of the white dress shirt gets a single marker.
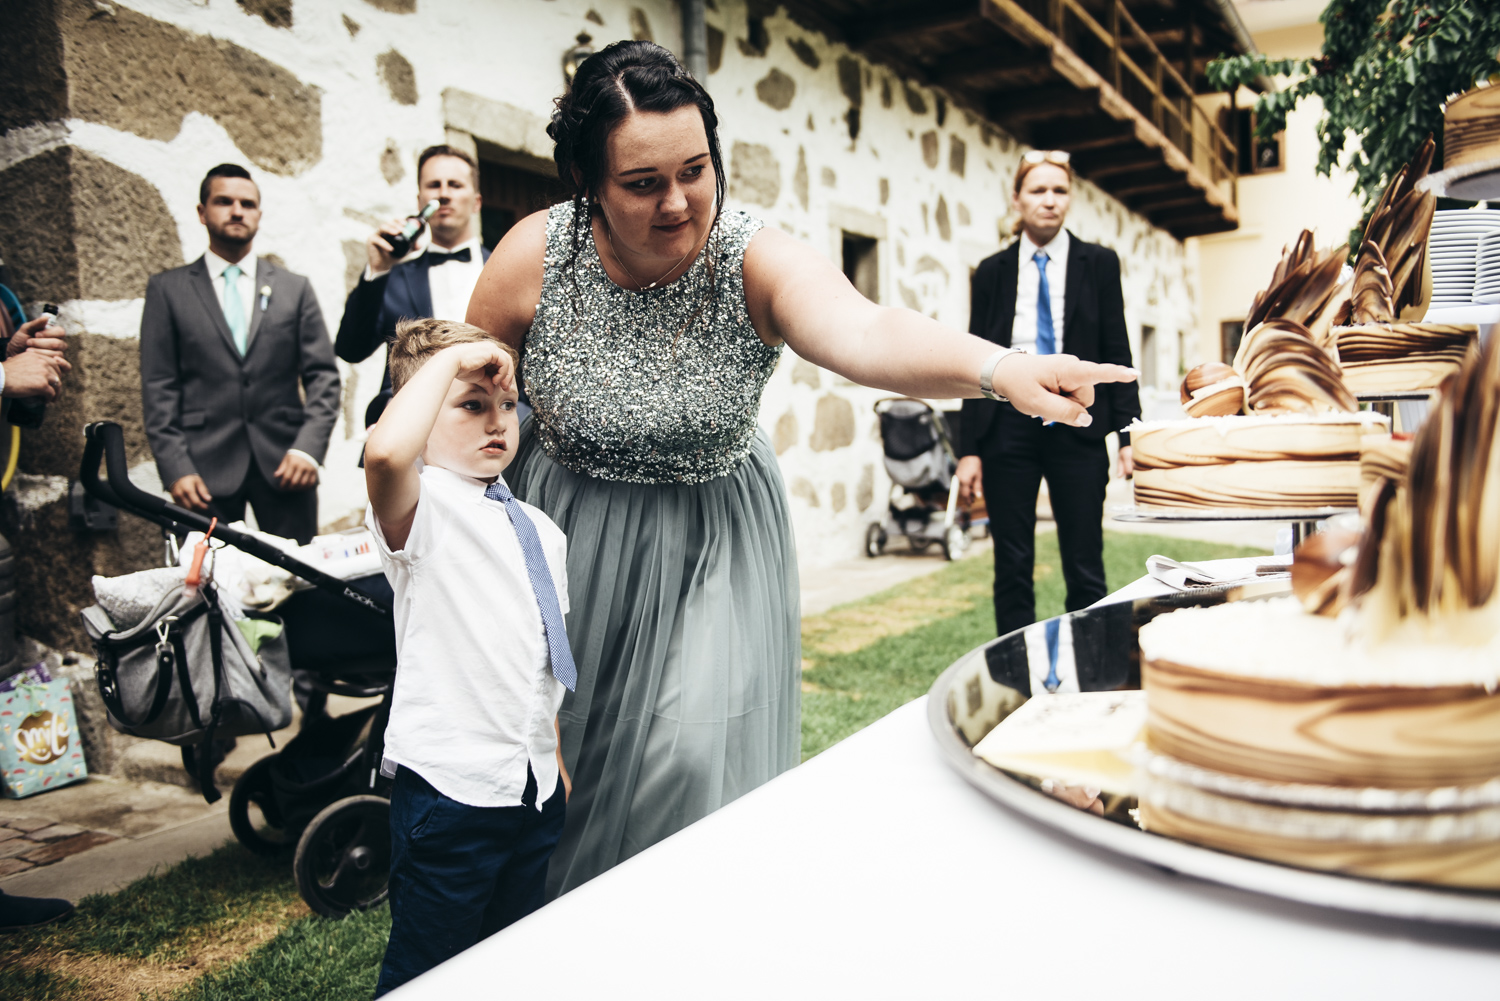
(1028, 281)
(245, 282)
(452, 282)
(475, 698)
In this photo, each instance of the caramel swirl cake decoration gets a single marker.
(1379, 343)
(1284, 365)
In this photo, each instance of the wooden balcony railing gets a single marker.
(1147, 81)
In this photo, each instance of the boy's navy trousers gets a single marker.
(461, 873)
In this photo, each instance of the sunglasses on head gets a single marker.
(1057, 156)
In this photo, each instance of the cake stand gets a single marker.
(1304, 520)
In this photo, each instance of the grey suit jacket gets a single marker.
(211, 412)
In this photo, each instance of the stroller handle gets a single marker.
(106, 440)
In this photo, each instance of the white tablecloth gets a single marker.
(874, 871)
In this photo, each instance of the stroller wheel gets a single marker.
(343, 859)
(955, 542)
(874, 540)
(254, 815)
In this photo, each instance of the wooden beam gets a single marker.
(1173, 197)
(1086, 135)
(904, 23)
(1175, 183)
(1167, 218)
(1137, 180)
(1103, 162)
(973, 65)
(1043, 104)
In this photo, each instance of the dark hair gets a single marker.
(621, 78)
(443, 149)
(222, 170)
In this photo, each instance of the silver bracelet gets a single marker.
(987, 371)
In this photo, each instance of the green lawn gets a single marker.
(231, 927)
(846, 689)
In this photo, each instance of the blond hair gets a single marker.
(418, 340)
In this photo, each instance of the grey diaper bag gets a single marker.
(187, 675)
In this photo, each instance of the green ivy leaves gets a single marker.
(1386, 69)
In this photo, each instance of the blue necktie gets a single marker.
(563, 668)
(1052, 682)
(1046, 339)
(234, 307)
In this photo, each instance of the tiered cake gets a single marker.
(1278, 429)
(1366, 739)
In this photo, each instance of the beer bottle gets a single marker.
(402, 241)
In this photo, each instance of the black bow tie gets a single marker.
(436, 257)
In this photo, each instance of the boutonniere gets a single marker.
(265, 297)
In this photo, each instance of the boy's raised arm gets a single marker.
(397, 440)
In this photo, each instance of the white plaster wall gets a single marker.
(511, 52)
(919, 268)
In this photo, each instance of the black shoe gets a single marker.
(18, 913)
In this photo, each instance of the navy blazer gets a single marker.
(1093, 329)
(372, 311)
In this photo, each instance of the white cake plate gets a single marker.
(1320, 889)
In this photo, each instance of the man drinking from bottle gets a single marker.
(435, 281)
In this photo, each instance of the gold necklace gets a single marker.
(610, 239)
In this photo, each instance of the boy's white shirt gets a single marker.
(475, 698)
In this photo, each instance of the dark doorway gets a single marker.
(510, 194)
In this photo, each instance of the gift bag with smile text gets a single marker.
(39, 745)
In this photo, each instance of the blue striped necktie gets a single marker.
(561, 655)
(1046, 339)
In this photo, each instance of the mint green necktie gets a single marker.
(234, 308)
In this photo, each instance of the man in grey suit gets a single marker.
(225, 343)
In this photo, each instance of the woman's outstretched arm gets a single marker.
(796, 295)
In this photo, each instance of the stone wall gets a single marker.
(113, 111)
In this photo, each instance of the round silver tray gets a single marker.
(1151, 513)
(967, 683)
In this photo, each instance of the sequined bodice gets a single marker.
(656, 386)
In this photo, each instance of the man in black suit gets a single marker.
(226, 342)
(1049, 292)
(436, 282)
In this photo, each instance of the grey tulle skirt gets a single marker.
(685, 625)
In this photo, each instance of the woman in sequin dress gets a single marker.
(649, 319)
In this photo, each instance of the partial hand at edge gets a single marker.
(41, 334)
(970, 475)
(35, 373)
(191, 492)
(1126, 465)
(1055, 387)
(296, 473)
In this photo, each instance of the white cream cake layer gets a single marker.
(1277, 639)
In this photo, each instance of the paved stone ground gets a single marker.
(99, 835)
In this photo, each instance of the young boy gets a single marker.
(480, 787)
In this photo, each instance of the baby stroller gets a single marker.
(322, 792)
(919, 457)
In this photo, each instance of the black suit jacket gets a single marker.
(212, 412)
(1093, 329)
(372, 311)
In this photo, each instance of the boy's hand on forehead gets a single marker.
(485, 364)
